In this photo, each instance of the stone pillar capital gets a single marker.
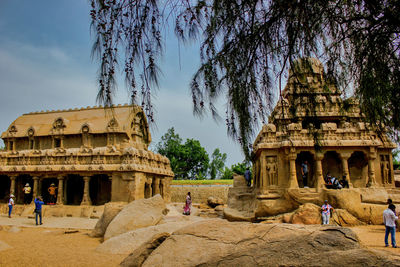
(319, 156)
(35, 178)
(87, 178)
(345, 155)
(61, 177)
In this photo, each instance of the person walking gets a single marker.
(38, 209)
(247, 176)
(188, 205)
(27, 193)
(389, 220)
(326, 210)
(10, 205)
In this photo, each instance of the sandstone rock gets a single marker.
(4, 246)
(137, 214)
(137, 257)
(219, 208)
(344, 218)
(127, 242)
(233, 215)
(213, 202)
(307, 214)
(239, 181)
(272, 207)
(111, 210)
(220, 243)
(14, 229)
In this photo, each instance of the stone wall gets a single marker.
(199, 193)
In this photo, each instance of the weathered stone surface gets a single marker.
(110, 211)
(220, 243)
(233, 215)
(213, 202)
(14, 229)
(137, 214)
(4, 246)
(138, 256)
(307, 214)
(344, 218)
(128, 242)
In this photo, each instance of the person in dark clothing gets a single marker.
(38, 209)
(247, 176)
(304, 173)
(344, 182)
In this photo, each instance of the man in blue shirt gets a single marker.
(38, 209)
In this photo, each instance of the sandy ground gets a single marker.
(65, 242)
(55, 243)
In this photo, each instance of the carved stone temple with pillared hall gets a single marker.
(312, 123)
(93, 155)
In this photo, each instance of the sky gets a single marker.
(45, 64)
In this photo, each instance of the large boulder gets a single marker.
(139, 255)
(307, 214)
(221, 243)
(137, 214)
(127, 242)
(213, 202)
(344, 218)
(111, 210)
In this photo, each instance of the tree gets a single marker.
(217, 163)
(188, 160)
(248, 46)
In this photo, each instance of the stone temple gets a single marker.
(311, 122)
(92, 155)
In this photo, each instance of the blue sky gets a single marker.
(45, 64)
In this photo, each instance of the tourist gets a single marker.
(328, 181)
(304, 173)
(344, 183)
(247, 176)
(326, 210)
(52, 192)
(188, 205)
(10, 205)
(27, 193)
(336, 184)
(389, 220)
(38, 209)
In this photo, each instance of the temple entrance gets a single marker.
(74, 188)
(331, 163)
(5, 184)
(147, 190)
(21, 181)
(358, 168)
(45, 193)
(100, 189)
(308, 159)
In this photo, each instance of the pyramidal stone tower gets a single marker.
(312, 125)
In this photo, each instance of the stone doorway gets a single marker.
(5, 184)
(303, 157)
(100, 189)
(74, 190)
(358, 168)
(21, 181)
(147, 190)
(331, 163)
(46, 182)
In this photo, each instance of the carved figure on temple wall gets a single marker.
(272, 177)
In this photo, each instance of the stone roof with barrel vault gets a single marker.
(311, 110)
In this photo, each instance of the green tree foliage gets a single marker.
(247, 48)
(217, 163)
(238, 168)
(188, 160)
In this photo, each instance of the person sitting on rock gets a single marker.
(52, 193)
(335, 183)
(328, 181)
(326, 210)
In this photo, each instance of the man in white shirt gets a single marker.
(389, 219)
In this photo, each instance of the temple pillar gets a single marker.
(86, 196)
(12, 186)
(264, 174)
(156, 186)
(166, 194)
(60, 195)
(345, 157)
(292, 170)
(371, 170)
(318, 171)
(35, 187)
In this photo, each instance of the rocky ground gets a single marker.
(65, 241)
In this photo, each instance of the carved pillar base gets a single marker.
(292, 171)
